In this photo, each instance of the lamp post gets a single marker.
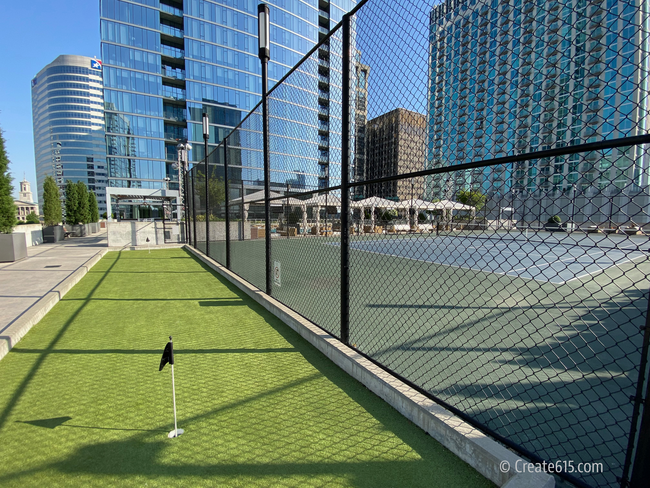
(206, 136)
(183, 195)
(411, 212)
(573, 207)
(263, 24)
(288, 208)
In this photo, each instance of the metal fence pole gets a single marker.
(193, 209)
(641, 468)
(186, 207)
(241, 236)
(264, 55)
(206, 136)
(227, 185)
(345, 192)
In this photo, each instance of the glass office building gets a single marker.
(510, 77)
(166, 62)
(68, 115)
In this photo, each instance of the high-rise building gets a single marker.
(360, 119)
(395, 144)
(512, 77)
(68, 115)
(166, 62)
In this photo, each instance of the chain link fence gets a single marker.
(459, 190)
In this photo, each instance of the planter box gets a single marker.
(12, 248)
(53, 234)
(80, 230)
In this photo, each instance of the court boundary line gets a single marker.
(500, 273)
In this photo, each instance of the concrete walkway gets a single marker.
(31, 287)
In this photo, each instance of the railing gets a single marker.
(516, 299)
(170, 72)
(172, 52)
(171, 31)
(171, 10)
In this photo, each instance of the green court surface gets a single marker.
(550, 366)
(82, 402)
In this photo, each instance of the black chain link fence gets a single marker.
(495, 166)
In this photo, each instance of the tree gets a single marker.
(32, 218)
(216, 187)
(7, 207)
(83, 210)
(71, 203)
(474, 198)
(51, 202)
(93, 208)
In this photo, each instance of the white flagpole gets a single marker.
(176, 432)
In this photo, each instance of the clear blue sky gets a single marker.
(32, 34)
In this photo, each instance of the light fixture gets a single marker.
(263, 32)
(206, 127)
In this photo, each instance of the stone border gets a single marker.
(145, 247)
(17, 330)
(468, 443)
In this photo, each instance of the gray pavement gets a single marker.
(31, 287)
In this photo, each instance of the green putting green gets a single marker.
(82, 401)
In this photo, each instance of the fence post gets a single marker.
(641, 467)
(206, 136)
(227, 185)
(187, 202)
(264, 26)
(193, 208)
(241, 236)
(345, 191)
(267, 177)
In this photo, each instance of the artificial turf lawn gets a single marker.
(82, 401)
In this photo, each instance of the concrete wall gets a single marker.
(122, 234)
(218, 231)
(33, 233)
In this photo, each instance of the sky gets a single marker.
(32, 34)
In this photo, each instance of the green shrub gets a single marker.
(555, 220)
(32, 218)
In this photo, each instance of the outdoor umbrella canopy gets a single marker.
(376, 202)
(257, 198)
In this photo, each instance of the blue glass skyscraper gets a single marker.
(68, 114)
(168, 61)
(513, 76)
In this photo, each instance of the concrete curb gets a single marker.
(36, 312)
(144, 248)
(469, 444)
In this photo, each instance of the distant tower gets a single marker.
(25, 194)
(25, 203)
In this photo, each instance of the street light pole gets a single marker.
(411, 213)
(263, 24)
(573, 207)
(288, 208)
(206, 136)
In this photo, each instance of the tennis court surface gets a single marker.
(540, 256)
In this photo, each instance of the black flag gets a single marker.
(168, 354)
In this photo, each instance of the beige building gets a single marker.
(395, 144)
(25, 203)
